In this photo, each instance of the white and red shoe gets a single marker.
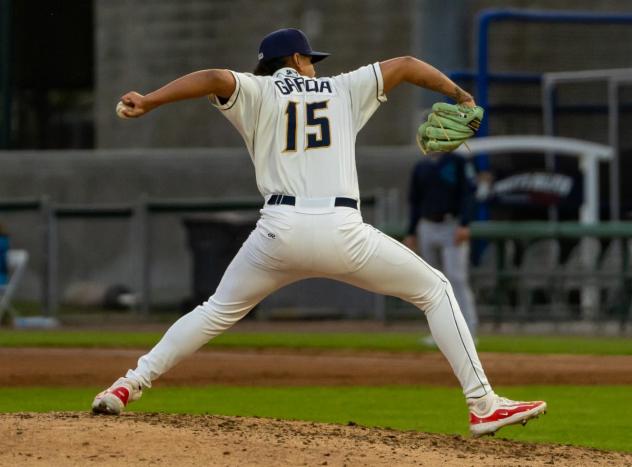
(113, 400)
(491, 412)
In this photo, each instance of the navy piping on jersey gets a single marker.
(238, 91)
(254, 133)
(351, 102)
(377, 84)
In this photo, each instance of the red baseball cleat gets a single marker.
(491, 412)
(113, 400)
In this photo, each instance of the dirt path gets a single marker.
(183, 440)
(78, 439)
(90, 367)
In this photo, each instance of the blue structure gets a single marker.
(483, 77)
(4, 247)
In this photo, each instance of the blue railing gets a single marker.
(483, 76)
(489, 16)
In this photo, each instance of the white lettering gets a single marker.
(289, 85)
(545, 183)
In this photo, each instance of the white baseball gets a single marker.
(119, 110)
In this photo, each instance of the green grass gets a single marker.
(595, 416)
(385, 341)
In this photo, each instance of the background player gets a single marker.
(300, 133)
(441, 197)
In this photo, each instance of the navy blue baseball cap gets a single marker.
(285, 42)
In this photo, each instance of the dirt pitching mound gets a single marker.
(79, 439)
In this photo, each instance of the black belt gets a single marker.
(291, 201)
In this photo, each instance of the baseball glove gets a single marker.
(448, 126)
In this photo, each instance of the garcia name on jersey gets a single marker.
(293, 82)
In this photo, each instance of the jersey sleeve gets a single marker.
(366, 90)
(242, 108)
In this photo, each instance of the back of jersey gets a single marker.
(301, 132)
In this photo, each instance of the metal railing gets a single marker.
(138, 216)
(483, 76)
(508, 277)
(490, 16)
(614, 80)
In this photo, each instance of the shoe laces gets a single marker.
(504, 401)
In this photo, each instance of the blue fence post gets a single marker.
(4, 248)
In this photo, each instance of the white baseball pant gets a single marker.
(292, 243)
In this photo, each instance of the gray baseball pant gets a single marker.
(437, 247)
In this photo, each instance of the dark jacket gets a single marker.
(441, 185)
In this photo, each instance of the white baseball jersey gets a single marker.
(300, 132)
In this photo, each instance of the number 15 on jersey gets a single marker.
(316, 128)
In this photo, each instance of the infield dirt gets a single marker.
(79, 439)
(90, 367)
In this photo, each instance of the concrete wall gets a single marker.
(102, 250)
(142, 45)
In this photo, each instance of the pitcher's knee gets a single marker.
(428, 297)
(222, 314)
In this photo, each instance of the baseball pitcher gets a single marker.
(300, 132)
